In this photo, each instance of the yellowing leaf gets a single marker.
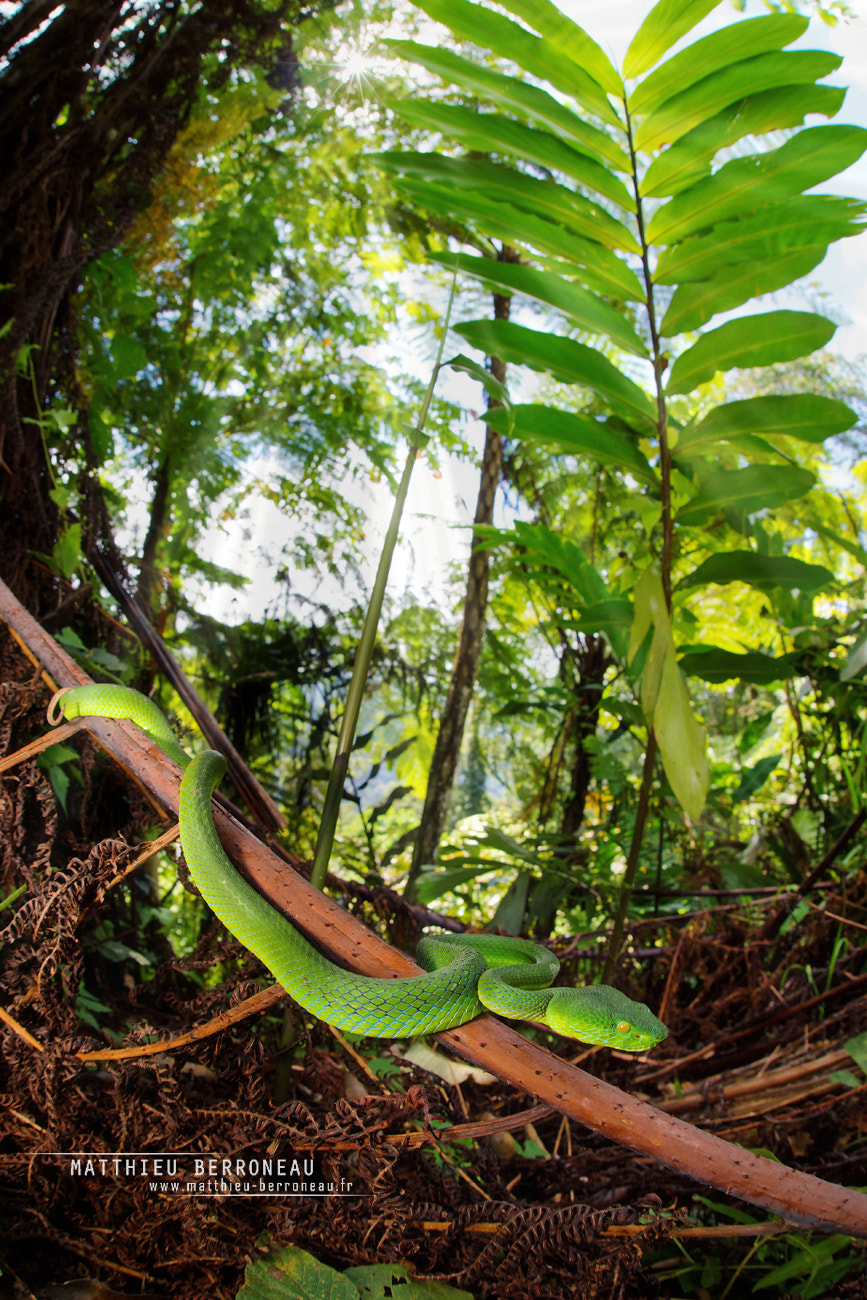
(682, 740)
(665, 700)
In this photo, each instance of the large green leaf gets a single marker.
(712, 664)
(663, 27)
(749, 445)
(649, 639)
(497, 133)
(693, 305)
(530, 102)
(588, 271)
(729, 45)
(579, 435)
(550, 549)
(807, 416)
(613, 617)
(743, 185)
(590, 313)
(595, 266)
(838, 539)
(762, 571)
(803, 220)
(502, 183)
(665, 700)
(757, 487)
(434, 882)
(712, 94)
(689, 159)
(548, 21)
(541, 549)
(498, 392)
(564, 359)
(540, 58)
(682, 740)
(761, 340)
(755, 777)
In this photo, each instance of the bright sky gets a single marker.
(440, 508)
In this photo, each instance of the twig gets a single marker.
(26, 752)
(252, 1006)
(20, 1031)
(834, 852)
(357, 1058)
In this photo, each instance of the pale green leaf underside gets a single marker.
(536, 55)
(500, 182)
(748, 445)
(530, 102)
(585, 309)
(662, 28)
(584, 266)
(548, 21)
(593, 265)
(578, 435)
(693, 305)
(688, 161)
(779, 228)
(761, 340)
(743, 185)
(497, 133)
(709, 96)
(806, 416)
(664, 698)
(762, 571)
(565, 359)
(682, 741)
(729, 45)
(757, 487)
(495, 390)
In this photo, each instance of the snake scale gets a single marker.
(466, 974)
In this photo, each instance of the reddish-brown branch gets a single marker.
(485, 1042)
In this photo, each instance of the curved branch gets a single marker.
(801, 1198)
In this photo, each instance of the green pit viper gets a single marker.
(466, 973)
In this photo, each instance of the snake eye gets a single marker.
(624, 1027)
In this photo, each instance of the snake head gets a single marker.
(604, 1016)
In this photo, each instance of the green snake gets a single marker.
(466, 973)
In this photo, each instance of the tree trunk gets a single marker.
(448, 744)
(92, 97)
(158, 525)
(593, 660)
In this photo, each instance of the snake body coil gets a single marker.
(466, 974)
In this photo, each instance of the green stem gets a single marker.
(364, 654)
(659, 365)
(10, 898)
(625, 895)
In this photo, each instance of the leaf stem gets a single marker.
(660, 362)
(367, 641)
